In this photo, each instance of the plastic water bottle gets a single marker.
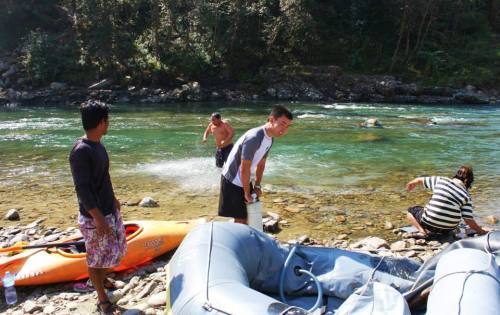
(255, 214)
(9, 288)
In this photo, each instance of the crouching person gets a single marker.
(450, 203)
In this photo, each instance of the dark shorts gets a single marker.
(231, 200)
(221, 155)
(417, 212)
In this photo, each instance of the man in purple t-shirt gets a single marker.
(100, 221)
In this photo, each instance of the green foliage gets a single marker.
(154, 41)
(49, 58)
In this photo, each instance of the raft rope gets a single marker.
(319, 300)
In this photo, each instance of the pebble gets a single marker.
(159, 299)
(292, 209)
(31, 307)
(12, 215)
(398, 245)
(49, 309)
(342, 237)
(147, 289)
(148, 202)
(340, 218)
(491, 219)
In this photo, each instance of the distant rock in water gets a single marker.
(371, 123)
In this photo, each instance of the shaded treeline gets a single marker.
(155, 41)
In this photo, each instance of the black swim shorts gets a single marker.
(221, 155)
(232, 200)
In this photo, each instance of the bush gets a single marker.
(50, 58)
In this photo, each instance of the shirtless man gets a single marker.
(223, 134)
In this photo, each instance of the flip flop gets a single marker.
(82, 287)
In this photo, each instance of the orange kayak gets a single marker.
(145, 241)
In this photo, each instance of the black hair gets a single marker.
(216, 115)
(466, 175)
(280, 110)
(93, 112)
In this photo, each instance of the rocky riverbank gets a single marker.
(291, 83)
(142, 290)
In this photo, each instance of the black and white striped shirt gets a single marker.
(450, 202)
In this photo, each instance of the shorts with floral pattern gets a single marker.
(104, 251)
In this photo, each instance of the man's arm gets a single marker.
(230, 133)
(412, 184)
(245, 179)
(259, 172)
(205, 134)
(472, 223)
(100, 224)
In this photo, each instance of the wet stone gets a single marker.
(342, 237)
(491, 219)
(398, 245)
(12, 215)
(388, 225)
(148, 202)
(292, 209)
(303, 239)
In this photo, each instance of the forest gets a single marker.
(153, 42)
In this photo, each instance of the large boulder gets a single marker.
(371, 123)
(190, 91)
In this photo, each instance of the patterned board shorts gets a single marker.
(104, 251)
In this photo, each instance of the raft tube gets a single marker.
(467, 282)
(229, 268)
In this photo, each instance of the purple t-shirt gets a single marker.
(89, 163)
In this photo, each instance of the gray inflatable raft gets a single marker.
(228, 268)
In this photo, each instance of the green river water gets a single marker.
(326, 176)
